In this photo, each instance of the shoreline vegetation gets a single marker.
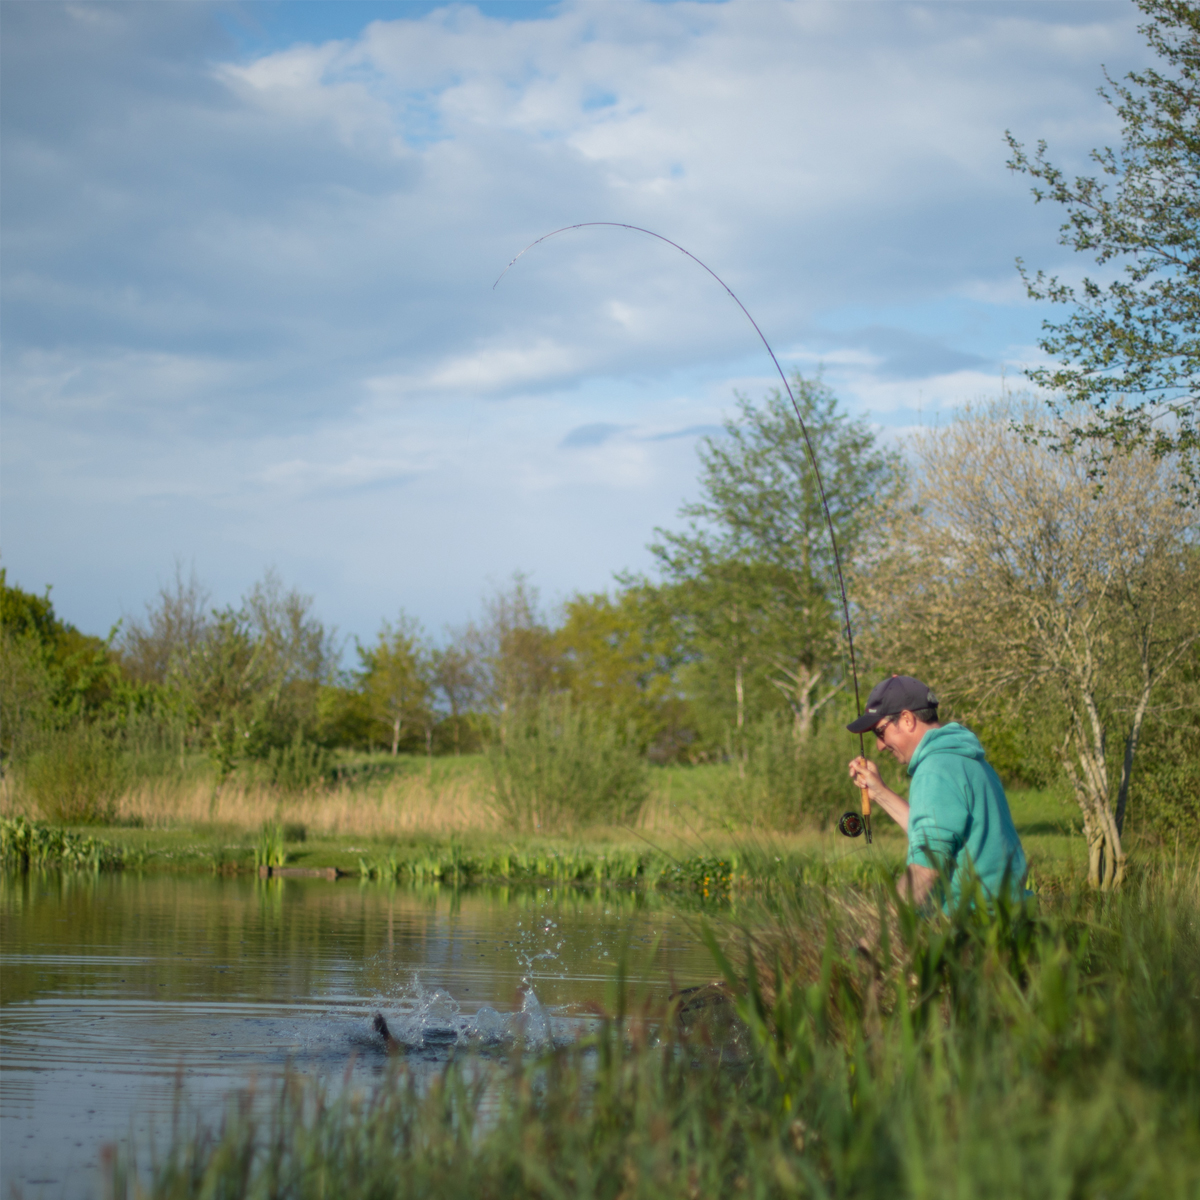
(683, 717)
(1038, 1050)
(437, 820)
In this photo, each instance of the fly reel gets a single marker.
(851, 825)
(854, 825)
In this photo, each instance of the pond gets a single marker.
(123, 997)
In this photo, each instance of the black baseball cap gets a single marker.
(892, 696)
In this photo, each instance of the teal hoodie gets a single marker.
(958, 814)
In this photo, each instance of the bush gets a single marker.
(560, 766)
(25, 844)
(1164, 802)
(298, 766)
(787, 781)
(73, 775)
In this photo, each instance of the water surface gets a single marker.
(124, 998)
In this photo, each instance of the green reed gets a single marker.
(270, 849)
(25, 844)
(711, 876)
(1048, 1050)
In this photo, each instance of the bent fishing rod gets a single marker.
(851, 824)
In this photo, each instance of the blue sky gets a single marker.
(248, 255)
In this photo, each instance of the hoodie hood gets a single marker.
(947, 739)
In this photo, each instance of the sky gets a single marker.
(247, 256)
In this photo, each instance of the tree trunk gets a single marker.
(1089, 780)
(741, 718)
(396, 736)
(1131, 742)
(799, 688)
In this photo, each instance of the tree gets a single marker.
(1129, 354)
(175, 624)
(513, 651)
(617, 658)
(50, 673)
(252, 679)
(396, 678)
(1014, 577)
(753, 576)
(455, 675)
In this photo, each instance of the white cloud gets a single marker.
(248, 301)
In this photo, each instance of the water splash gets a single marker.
(537, 949)
(422, 1016)
(532, 1025)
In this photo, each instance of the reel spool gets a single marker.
(851, 825)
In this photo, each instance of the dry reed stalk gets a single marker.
(411, 805)
(10, 804)
(658, 815)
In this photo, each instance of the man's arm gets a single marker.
(866, 775)
(916, 884)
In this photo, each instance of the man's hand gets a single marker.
(916, 884)
(866, 775)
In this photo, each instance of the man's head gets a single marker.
(899, 712)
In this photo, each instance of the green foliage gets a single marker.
(270, 850)
(251, 681)
(50, 674)
(300, 766)
(560, 766)
(751, 584)
(73, 775)
(1166, 786)
(1130, 350)
(396, 684)
(1019, 741)
(1165, 805)
(1010, 1054)
(25, 844)
(173, 628)
(788, 781)
(455, 864)
(617, 657)
(28, 689)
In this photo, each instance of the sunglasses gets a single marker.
(878, 730)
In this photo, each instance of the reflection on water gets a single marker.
(121, 996)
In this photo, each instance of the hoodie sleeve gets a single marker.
(938, 817)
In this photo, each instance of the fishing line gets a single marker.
(812, 458)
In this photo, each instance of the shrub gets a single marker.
(25, 844)
(787, 781)
(73, 775)
(1164, 803)
(298, 766)
(560, 766)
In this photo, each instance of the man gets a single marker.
(956, 815)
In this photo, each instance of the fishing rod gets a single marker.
(851, 824)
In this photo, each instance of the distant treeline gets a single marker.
(1060, 619)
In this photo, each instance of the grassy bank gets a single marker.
(434, 819)
(397, 831)
(1044, 1052)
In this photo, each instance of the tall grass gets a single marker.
(1022, 1053)
(25, 844)
(73, 775)
(560, 766)
(788, 782)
